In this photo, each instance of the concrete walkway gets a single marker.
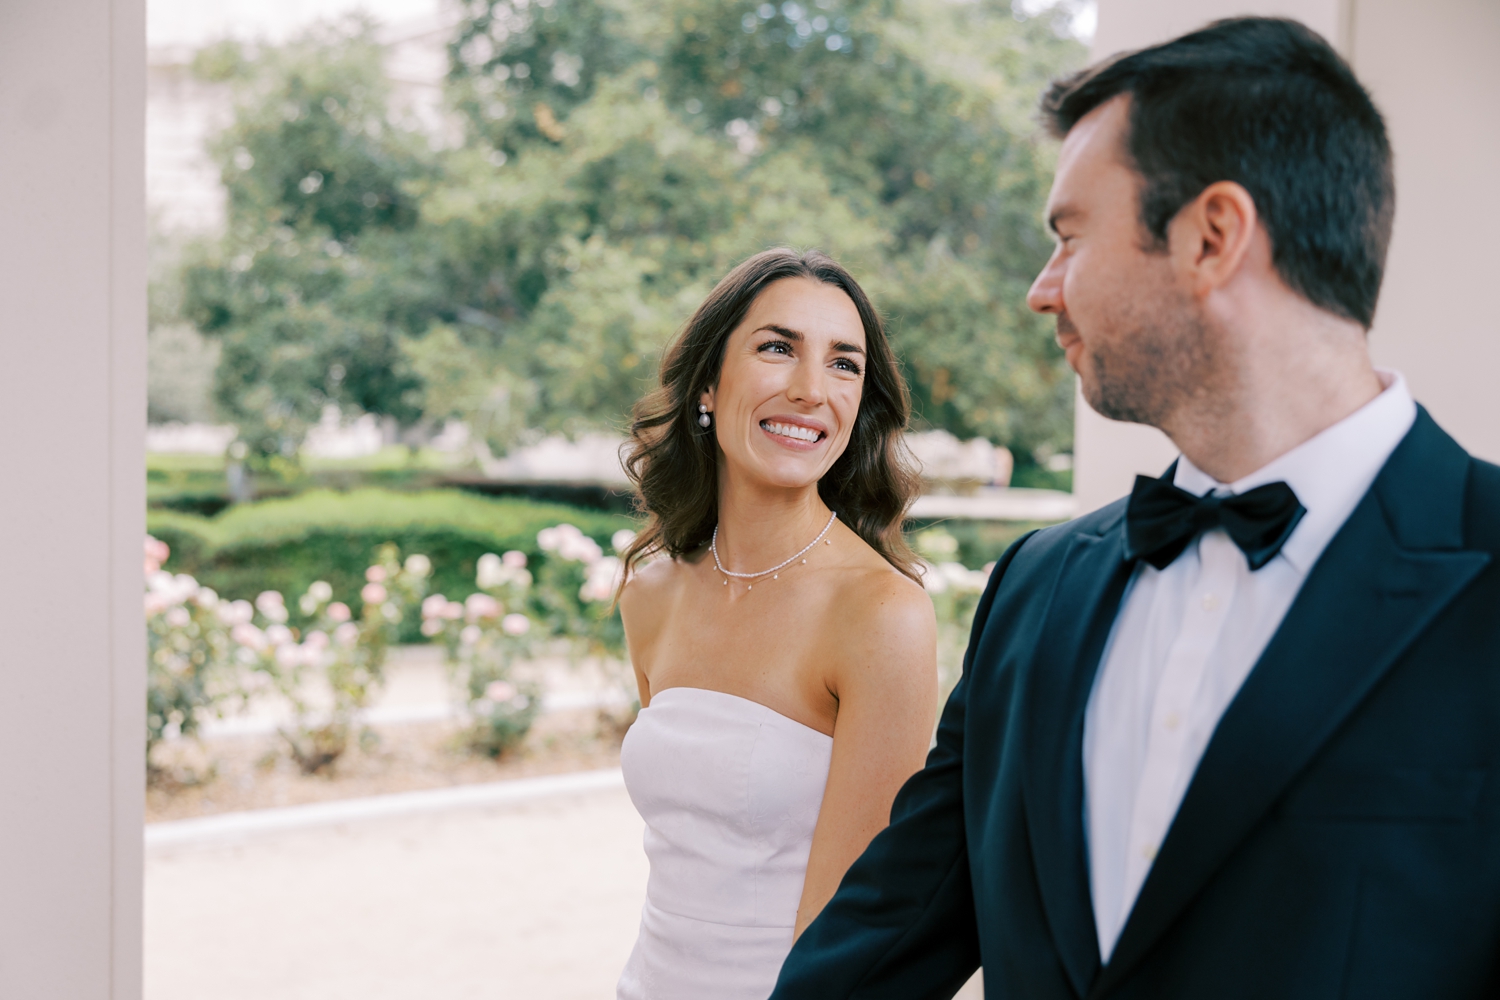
(537, 899)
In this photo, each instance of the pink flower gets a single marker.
(434, 606)
(346, 634)
(482, 606)
(236, 613)
(250, 637)
(514, 559)
(375, 574)
(432, 627)
(272, 605)
(373, 593)
(470, 635)
(157, 552)
(515, 624)
(500, 691)
(339, 611)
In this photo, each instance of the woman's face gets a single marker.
(790, 386)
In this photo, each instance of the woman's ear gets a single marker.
(707, 399)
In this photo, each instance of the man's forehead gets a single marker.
(1092, 146)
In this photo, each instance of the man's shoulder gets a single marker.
(1059, 537)
(1044, 548)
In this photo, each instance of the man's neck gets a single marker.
(1288, 385)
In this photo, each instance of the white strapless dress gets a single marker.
(730, 792)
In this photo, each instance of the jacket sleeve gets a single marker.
(901, 925)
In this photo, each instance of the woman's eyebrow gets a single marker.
(841, 346)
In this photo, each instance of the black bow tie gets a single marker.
(1161, 520)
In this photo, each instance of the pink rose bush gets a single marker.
(209, 655)
(189, 651)
(485, 635)
(330, 645)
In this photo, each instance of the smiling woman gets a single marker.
(865, 474)
(786, 655)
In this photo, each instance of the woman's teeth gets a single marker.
(791, 431)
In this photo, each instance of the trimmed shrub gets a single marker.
(286, 544)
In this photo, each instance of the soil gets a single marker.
(230, 774)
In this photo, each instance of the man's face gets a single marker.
(1125, 319)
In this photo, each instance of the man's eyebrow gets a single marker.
(790, 334)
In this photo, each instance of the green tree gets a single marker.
(304, 292)
(620, 157)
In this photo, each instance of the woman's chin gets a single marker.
(785, 474)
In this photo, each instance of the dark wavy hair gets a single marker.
(674, 463)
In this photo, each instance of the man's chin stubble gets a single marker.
(1164, 371)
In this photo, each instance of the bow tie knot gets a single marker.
(1161, 520)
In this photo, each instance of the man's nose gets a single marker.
(1046, 294)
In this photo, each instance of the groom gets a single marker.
(1240, 735)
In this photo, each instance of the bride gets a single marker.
(785, 653)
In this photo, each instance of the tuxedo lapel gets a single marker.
(1396, 563)
(1074, 630)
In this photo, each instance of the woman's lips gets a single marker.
(790, 435)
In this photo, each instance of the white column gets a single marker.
(1434, 70)
(72, 497)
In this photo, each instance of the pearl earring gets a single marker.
(703, 418)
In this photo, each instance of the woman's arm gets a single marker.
(885, 679)
(643, 609)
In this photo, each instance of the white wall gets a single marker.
(1434, 70)
(72, 497)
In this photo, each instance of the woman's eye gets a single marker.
(846, 365)
(778, 346)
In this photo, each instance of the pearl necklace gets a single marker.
(774, 570)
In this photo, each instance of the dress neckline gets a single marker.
(743, 700)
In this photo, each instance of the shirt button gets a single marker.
(1172, 721)
(1210, 602)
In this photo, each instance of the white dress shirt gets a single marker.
(1186, 637)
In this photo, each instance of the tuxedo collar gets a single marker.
(1387, 573)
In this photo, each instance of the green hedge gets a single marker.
(286, 544)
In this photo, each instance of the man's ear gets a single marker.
(1212, 235)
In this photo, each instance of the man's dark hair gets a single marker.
(1268, 104)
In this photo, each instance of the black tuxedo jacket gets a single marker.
(1340, 838)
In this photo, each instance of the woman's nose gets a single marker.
(807, 385)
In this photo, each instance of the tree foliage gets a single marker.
(618, 158)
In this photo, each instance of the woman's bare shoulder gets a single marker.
(652, 586)
(883, 608)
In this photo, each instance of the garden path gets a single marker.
(538, 900)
